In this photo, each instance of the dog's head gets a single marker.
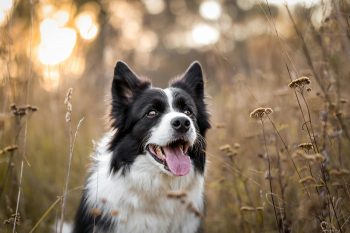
(165, 125)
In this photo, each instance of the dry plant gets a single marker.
(72, 138)
(290, 175)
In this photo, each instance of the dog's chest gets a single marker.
(157, 216)
(143, 200)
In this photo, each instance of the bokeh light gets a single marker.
(204, 34)
(61, 17)
(86, 25)
(5, 5)
(57, 43)
(51, 78)
(210, 9)
(5, 8)
(154, 7)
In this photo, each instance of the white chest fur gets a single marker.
(138, 201)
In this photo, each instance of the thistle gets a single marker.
(299, 82)
(259, 113)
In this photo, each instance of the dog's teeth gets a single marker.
(186, 148)
(158, 151)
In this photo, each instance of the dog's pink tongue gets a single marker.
(178, 163)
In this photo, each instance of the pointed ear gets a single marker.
(193, 83)
(193, 79)
(125, 83)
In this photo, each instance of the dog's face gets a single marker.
(165, 125)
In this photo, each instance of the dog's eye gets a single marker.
(188, 112)
(152, 114)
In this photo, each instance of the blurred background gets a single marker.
(250, 51)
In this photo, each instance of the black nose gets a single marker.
(180, 124)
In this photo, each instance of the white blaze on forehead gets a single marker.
(163, 133)
(169, 95)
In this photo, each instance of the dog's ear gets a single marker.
(193, 80)
(126, 85)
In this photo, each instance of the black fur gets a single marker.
(85, 222)
(132, 99)
(192, 84)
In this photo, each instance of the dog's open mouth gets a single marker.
(173, 156)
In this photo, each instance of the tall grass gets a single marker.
(282, 171)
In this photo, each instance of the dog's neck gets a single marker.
(140, 192)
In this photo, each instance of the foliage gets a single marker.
(285, 169)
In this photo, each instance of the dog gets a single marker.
(148, 171)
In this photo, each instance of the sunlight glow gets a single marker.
(61, 17)
(204, 34)
(5, 7)
(2, 17)
(154, 7)
(57, 43)
(210, 9)
(87, 27)
(51, 79)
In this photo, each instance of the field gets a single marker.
(277, 85)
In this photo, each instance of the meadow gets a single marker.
(277, 85)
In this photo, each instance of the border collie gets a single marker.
(148, 171)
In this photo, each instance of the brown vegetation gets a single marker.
(281, 168)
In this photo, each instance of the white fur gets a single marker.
(162, 134)
(140, 196)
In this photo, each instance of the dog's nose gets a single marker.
(180, 124)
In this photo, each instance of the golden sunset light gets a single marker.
(159, 116)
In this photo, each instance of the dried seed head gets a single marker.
(318, 157)
(339, 113)
(299, 82)
(247, 208)
(68, 95)
(306, 146)
(307, 179)
(311, 158)
(114, 213)
(225, 147)
(67, 102)
(268, 111)
(236, 145)
(8, 149)
(95, 212)
(251, 208)
(13, 107)
(308, 89)
(194, 210)
(343, 101)
(176, 195)
(258, 113)
(341, 172)
(33, 108)
(15, 218)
